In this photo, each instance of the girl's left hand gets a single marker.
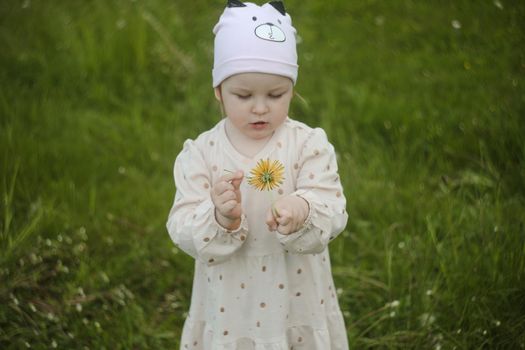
(287, 215)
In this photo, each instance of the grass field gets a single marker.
(423, 100)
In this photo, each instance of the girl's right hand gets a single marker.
(226, 196)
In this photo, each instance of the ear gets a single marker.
(279, 6)
(218, 94)
(235, 3)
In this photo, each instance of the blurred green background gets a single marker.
(423, 100)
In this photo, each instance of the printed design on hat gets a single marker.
(271, 32)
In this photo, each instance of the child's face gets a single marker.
(256, 103)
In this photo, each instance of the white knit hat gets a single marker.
(252, 38)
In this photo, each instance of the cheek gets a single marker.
(235, 114)
(231, 107)
(284, 106)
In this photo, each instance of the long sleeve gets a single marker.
(319, 184)
(191, 222)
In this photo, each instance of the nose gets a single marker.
(259, 107)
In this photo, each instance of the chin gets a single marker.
(260, 136)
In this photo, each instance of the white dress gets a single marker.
(252, 288)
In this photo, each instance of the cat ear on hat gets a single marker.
(279, 6)
(235, 3)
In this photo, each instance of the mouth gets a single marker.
(259, 125)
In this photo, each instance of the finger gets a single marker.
(270, 221)
(284, 230)
(273, 227)
(222, 186)
(236, 182)
(239, 195)
(284, 217)
(230, 176)
(228, 206)
(226, 196)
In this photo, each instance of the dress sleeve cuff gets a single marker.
(243, 226)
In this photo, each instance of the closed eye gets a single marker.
(276, 95)
(242, 97)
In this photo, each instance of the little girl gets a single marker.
(258, 199)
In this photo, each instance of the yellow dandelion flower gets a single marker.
(267, 175)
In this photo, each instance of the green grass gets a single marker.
(426, 114)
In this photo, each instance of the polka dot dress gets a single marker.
(256, 289)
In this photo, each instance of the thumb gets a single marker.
(284, 217)
(236, 182)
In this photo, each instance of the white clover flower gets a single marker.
(456, 24)
(392, 304)
(79, 248)
(83, 233)
(78, 307)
